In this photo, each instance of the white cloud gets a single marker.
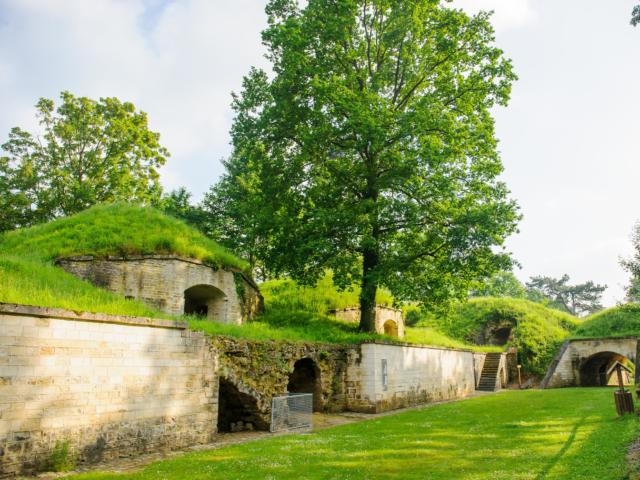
(180, 67)
(508, 14)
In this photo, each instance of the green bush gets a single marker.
(62, 459)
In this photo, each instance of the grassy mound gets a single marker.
(538, 330)
(115, 229)
(620, 321)
(27, 274)
(295, 308)
(32, 282)
(287, 295)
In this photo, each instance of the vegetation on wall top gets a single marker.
(537, 330)
(115, 229)
(620, 321)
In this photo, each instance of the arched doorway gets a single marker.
(305, 378)
(237, 411)
(206, 301)
(390, 328)
(598, 369)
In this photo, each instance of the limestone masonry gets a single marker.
(587, 362)
(389, 321)
(173, 285)
(117, 386)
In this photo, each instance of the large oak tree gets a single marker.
(371, 151)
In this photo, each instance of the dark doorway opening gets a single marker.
(205, 301)
(390, 328)
(305, 378)
(597, 370)
(500, 336)
(237, 411)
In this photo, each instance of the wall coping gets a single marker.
(175, 257)
(421, 345)
(63, 314)
(599, 339)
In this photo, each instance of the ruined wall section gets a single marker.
(261, 369)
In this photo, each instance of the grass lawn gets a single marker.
(554, 434)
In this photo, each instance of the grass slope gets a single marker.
(620, 321)
(564, 434)
(290, 306)
(115, 229)
(32, 282)
(27, 274)
(538, 330)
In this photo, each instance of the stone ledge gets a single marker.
(138, 257)
(420, 345)
(62, 314)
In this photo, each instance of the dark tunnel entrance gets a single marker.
(205, 301)
(599, 369)
(237, 411)
(305, 378)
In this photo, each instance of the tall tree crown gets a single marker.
(371, 150)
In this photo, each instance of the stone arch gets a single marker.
(390, 328)
(306, 378)
(595, 370)
(206, 301)
(237, 411)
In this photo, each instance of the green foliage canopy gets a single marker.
(89, 152)
(372, 151)
(501, 284)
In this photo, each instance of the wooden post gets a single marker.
(620, 382)
(623, 399)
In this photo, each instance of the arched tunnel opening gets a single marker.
(237, 411)
(205, 301)
(390, 328)
(305, 378)
(497, 334)
(599, 370)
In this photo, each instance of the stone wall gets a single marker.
(161, 282)
(111, 386)
(262, 370)
(412, 375)
(566, 368)
(384, 314)
(118, 386)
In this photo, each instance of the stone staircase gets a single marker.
(490, 376)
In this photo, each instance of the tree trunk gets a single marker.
(368, 292)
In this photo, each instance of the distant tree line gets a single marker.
(577, 299)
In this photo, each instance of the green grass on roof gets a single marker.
(620, 321)
(538, 330)
(116, 229)
(32, 282)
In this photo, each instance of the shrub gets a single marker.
(62, 458)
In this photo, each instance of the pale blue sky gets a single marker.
(569, 139)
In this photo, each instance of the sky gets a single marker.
(569, 139)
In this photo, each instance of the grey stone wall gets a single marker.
(111, 386)
(161, 282)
